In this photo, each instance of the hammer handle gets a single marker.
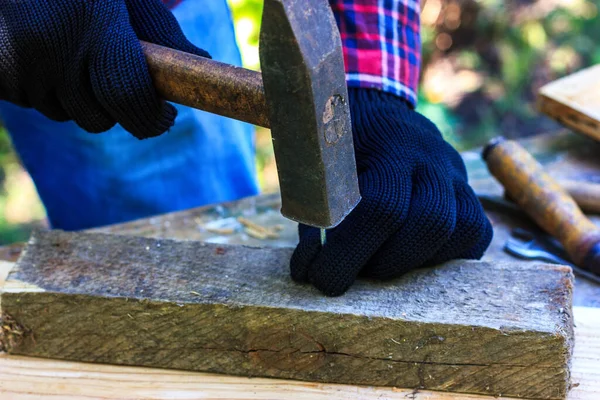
(550, 206)
(207, 85)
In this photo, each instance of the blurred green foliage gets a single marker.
(9, 230)
(513, 48)
(496, 54)
(246, 16)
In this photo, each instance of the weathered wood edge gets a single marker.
(304, 358)
(309, 354)
(106, 264)
(23, 378)
(569, 115)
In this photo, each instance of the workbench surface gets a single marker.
(26, 378)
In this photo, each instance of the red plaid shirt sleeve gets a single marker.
(382, 44)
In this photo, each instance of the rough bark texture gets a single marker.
(471, 327)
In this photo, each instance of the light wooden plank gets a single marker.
(586, 356)
(27, 378)
(24, 378)
(574, 101)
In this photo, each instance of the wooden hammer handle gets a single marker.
(550, 206)
(207, 85)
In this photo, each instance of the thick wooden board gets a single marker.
(471, 327)
(28, 378)
(574, 101)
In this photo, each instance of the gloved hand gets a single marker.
(417, 208)
(81, 60)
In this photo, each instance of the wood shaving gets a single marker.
(258, 231)
(221, 231)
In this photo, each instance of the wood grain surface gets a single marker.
(28, 378)
(472, 327)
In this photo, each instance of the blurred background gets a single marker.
(483, 62)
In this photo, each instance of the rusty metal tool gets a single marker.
(545, 201)
(301, 95)
(533, 245)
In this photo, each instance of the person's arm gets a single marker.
(82, 60)
(417, 208)
(382, 45)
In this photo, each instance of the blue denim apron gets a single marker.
(87, 180)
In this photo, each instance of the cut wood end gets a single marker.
(570, 115)
(573, 101)
(12, 333)
(573, 82)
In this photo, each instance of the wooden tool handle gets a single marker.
(207, 85)
(545, 201)
(585, 194)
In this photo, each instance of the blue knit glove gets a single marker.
(417, 208)
(81, 60)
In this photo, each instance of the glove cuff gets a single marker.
(375, 99)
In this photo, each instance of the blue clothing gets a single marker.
(87, 180)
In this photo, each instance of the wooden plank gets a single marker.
(471, 327)
(586, 363)
(574, 101)
(27, 378)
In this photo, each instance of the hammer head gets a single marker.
(305, 87)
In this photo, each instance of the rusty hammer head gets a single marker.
(305, 88)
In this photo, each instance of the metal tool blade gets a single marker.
(536, 246)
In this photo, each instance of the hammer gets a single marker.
(301, 95)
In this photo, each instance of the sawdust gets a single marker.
(12, 334)
(249, 227)
(221, 231)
